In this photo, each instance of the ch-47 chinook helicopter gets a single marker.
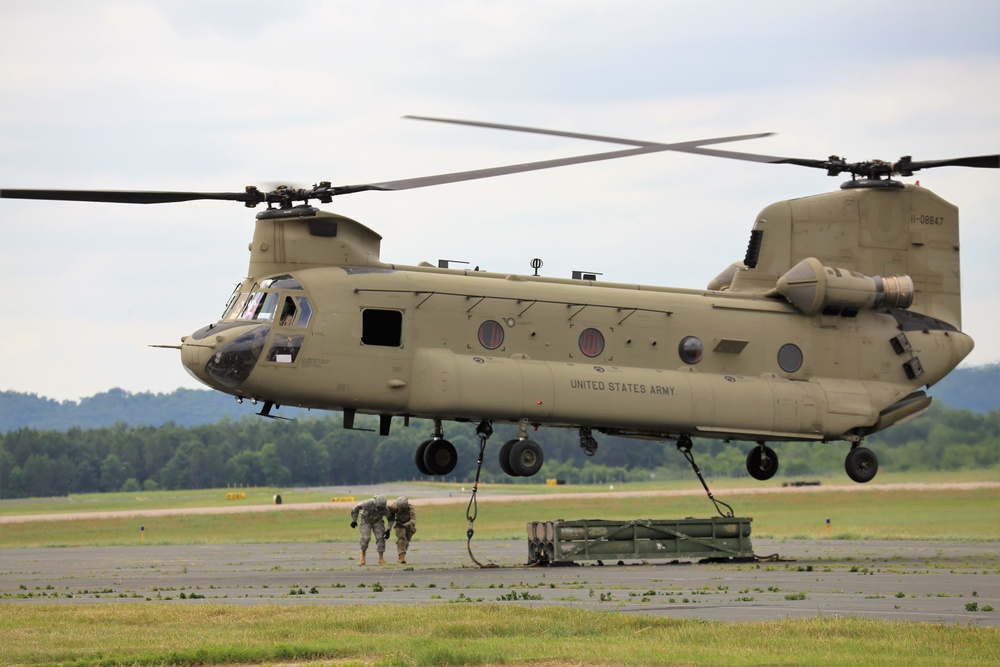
(846, 305)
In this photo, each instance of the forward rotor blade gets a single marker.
(324, 191)
(125, 196)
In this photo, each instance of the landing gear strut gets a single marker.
(762, 462)
(436, 456)
(861, 464)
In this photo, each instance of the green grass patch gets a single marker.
(469, 634)
(941, 514)
(147, 500)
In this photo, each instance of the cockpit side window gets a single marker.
(287, 312)
(305, 312)
(285, 349)
(295, 312)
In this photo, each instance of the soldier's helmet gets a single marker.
(379, 501)
(401, 502)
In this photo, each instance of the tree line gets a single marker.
(317, 451)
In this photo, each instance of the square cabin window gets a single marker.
(382, 327)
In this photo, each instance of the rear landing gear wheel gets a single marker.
(587, 441)
(861, 464)
(762, 462)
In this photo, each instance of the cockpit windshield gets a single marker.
(260, 303)
(259, 307)
(262, 306)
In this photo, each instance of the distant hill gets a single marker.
(185, 407)
(976, 388)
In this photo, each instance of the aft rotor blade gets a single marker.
(685, 147)
(439, 179)
(125, 196)
(833, 164)
(591, 137)
(981, 162)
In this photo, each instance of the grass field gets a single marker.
(102, 502)
(493, 634)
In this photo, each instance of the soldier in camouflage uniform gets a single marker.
(404, 521)
(369, 514)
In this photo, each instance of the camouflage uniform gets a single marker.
(404, 521)
(369, 514)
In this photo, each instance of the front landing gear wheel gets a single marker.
(861, 464)
(440, 457)
(762, 462)
(526, 458)
(418, 457)
(505, 457)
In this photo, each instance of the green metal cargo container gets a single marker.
(639, 539)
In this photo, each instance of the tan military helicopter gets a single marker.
(845, 307)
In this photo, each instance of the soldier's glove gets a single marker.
(354, 524)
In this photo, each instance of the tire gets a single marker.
(440, 457)
(526, 458)
(418, 457)
(762, 463)
(861, 464)
(505, 458)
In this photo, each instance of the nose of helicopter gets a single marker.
(223, 355)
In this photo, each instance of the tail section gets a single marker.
(883, 229)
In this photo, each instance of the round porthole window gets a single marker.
(490, 334)
(790, 358)
(690, 350)
(591, 342)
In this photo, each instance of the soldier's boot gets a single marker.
(361, 561)
(381, 560)
(402, 557)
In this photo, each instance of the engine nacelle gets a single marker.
(725, 279)
(812, 288)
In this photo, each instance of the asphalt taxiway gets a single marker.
(942, 582)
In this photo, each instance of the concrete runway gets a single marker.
(941, 582)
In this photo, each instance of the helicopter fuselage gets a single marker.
(419, 341)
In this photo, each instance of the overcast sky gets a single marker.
(212, 96)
